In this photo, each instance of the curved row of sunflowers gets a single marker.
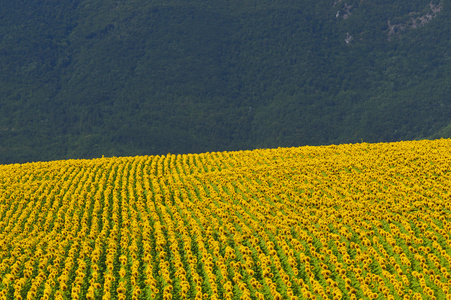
(358, 221)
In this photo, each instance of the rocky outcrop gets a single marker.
(416, 22)
(345, 12)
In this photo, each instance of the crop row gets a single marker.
(362, 221)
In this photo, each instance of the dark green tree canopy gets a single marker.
(84, 78)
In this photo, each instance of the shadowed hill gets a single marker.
(82, 79)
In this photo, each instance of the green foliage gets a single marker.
(87, 78)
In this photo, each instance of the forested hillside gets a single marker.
(84, 78)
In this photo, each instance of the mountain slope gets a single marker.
(83, 79)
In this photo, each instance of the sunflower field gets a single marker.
(351, 221)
